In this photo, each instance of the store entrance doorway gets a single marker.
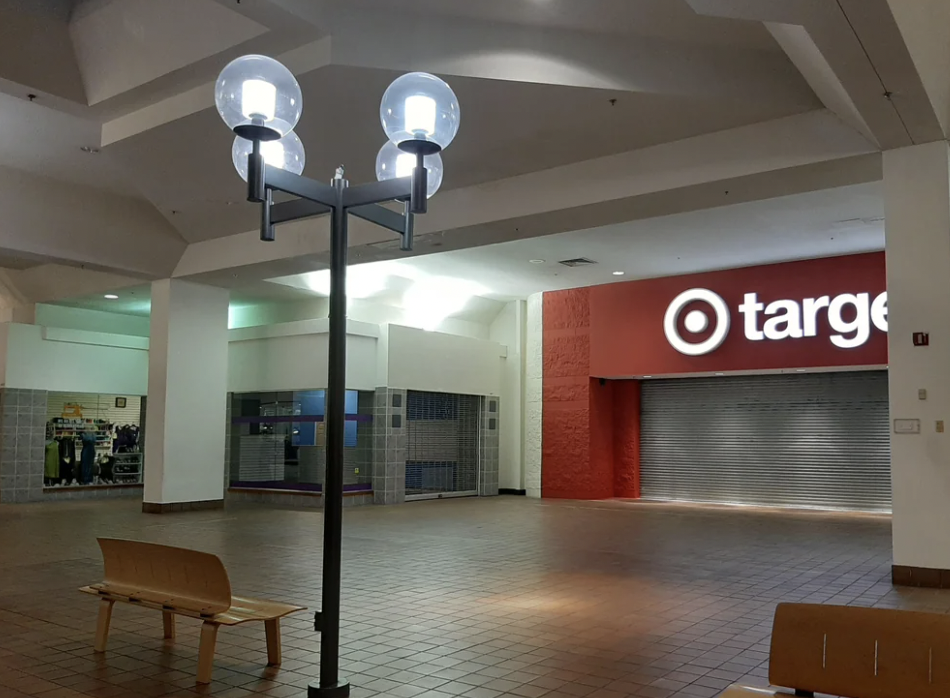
(804, 440)
(442, 445)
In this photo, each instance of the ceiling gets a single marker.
(48, 142)
(575, 115)
(840, 221)
(509, 129)
(137, 300)
(670, 19)
(818, 224)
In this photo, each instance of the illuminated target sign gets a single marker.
(783, 319)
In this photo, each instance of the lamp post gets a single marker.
(260, 100)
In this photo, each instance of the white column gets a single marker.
(917, 207)
(187, 394)
(509, 329)
(533, 370)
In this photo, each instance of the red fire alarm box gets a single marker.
(921, 339)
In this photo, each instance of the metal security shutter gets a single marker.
(442, 443)
(803, 440)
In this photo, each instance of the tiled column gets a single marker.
(22, 437)
(389, 446)
(227, 441)
(488, 429)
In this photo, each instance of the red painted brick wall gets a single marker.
(626, 434)
(565, 454)
(578, 426)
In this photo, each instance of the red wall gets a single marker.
(626, 319)
(591, 428)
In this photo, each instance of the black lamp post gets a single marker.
(260, 100)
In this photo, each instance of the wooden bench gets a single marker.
(178, 581)
(856, 652)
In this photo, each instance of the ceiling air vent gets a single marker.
(579, 262)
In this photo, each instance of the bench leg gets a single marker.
(272, 631)
(102, 627)
(168, 622)
(209, 635)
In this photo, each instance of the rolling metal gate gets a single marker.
(809, 440)
(442, 443)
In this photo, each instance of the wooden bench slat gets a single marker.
(856, 652)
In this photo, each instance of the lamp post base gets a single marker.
(339, 690)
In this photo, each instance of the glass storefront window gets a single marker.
(277, 440)
(93, 440)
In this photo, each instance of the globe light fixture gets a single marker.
(258, 98)
(287, 154)
(392, 163)
(420, 113)
(260, 101)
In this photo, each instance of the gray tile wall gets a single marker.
(227, 440)
(22, 450)
(22, 438)
(489, 424)
(389, 446)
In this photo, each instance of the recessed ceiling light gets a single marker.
(619, 273)
(111, 296)
(720, 374)
(648, 376)
(536, 261)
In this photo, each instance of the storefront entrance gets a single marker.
(442, 449)
(802, 440)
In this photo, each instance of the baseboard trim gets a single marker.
(507, 490)
(176, 507)
(926, 577)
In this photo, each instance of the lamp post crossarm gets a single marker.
(316, 199)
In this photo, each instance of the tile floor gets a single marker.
(479, 598)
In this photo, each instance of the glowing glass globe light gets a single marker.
(258, 98)
(391, 162)
(420, 113)
(287, 154)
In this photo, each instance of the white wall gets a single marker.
(77, 361)
(91, 320)
(421, 360)
(532, 396)
(379, 314)
(241, 316)
(295, 356)
(508, 329)
(917, 208)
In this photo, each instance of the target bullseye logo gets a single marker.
(696, 322)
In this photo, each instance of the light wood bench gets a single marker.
(178, 581)
(856, 652)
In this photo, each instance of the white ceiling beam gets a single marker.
(56, 221)
(923, 25)
(861, 43)
(310, 56)
(596, 192)
(516, 53)
(805, 55)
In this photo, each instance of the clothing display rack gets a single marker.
(83, 452)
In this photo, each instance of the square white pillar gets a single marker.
(187, 397)
(917, 207)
